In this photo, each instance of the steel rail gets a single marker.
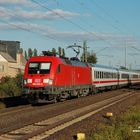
(15, 110)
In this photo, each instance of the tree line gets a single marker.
(90, 56)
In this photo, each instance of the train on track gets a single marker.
(52, 78)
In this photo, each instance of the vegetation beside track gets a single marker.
(124, 127)
(11, 87)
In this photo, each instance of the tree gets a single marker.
(63, 52)
(35, 52)
(85, 53)
(54, 51)
(59, 51)
(91, 58)
(25, 55)
(30, 53)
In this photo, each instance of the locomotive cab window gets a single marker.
(45, 68)
(39, 68)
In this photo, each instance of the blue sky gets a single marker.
(108, 26)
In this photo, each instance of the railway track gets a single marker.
(18, 109)
(9, 111)
(43, 129)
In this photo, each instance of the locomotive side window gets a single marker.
(58, 69)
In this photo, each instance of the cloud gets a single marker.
(25, 26)
(119, 40)
(35, 15)
(17, 2)
(51, 15)
(90, 36)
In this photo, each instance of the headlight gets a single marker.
(50, 82)
(29, 81)
(25, 81)
(45, 80)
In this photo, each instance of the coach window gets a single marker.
(102, 75)
(113, 75)
(94, 74)
(135, 76)
(105, 74)
(98, 75)
(109, 75)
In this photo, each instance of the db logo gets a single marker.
(37, 80)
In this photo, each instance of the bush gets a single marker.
(11, 87)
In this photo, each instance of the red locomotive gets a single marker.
(51, 78)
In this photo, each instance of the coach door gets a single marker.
(129, 80)
(118, 77)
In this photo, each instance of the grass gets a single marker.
(119, 128)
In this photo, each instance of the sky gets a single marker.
(111, 28)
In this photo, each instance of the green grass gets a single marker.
(120, 128)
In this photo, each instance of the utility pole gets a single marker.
(85, 50)
(125, 54)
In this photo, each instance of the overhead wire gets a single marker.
(87, 23)
(98, 15)
(25, 29)
(112, 17)
(68, 20)
(105, 12)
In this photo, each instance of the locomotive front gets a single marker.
(38, 78)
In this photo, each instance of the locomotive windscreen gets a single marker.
(39, 68)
